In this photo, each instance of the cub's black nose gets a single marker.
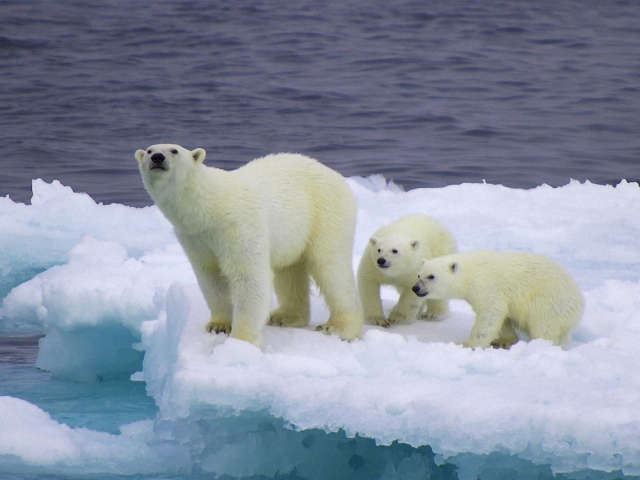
(415, 288)
(382, 261)
(157, 158)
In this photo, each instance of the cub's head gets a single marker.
(164, 160)
(439, 278)
(395, 255)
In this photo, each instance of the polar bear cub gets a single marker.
(525, 290)
(393, 257)
(275, 222)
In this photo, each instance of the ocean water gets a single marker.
(427, 93)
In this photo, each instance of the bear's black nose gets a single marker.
(157, 158)
(415, 288)
(382, 261)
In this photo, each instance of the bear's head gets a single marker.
(438, 278)
(160, 162)
(395, 255)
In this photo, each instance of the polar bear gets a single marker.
(274, 222)
(525, 290)
(393, 257)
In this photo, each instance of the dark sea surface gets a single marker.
(427, 93)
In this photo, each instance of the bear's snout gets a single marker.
(382, 262)
(157, 158)
(417, 289)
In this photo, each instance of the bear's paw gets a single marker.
(217, 325)
(346, 326)
(379, 321)
(399, 318)
(283, 318)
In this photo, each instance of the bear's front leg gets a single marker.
(218, 296)
(508, 336)
(436, 310)
(371, 304)
(251, 297)
(486, 328)
(407, 308)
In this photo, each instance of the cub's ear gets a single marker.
(198, 155)
(139, 154)
(415, 244)
(373, 241)
(424, 260)
(453, 267)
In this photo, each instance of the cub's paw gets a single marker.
(502, 343)
(433, 317)
(379, 321)
(345, 334)
(398, 318)
(218, 326)
(282, 318)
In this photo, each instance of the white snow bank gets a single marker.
(122, 277)
(31, 442)
(39, 235)
(576, 408)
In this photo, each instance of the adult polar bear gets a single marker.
(274, 221)
(525, 290)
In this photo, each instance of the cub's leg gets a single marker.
(486, 328)
(407, 308)
(436, 309)
(508, 336)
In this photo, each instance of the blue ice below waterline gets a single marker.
(123, 319)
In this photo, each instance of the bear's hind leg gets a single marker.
(291, 285)
(336, 283)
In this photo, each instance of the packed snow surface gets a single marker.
(115, 295)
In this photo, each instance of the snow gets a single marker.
(113, 292)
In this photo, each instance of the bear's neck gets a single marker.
(195, 200)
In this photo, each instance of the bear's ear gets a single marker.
(139, 155)
(415, 244)
(453, 267)
(198, 155)
(373, 240)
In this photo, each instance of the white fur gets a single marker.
(401, 246)
(525, 290)
(274, 222)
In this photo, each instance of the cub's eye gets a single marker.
(174, 151)
(149, 151)
(431, 277)
(379, 250)
(394, 250)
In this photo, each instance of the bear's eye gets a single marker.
(379, 250)
(174, 151)
(149, 151)
(431, 277)
(394, 250)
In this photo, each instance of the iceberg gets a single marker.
(115, 297)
